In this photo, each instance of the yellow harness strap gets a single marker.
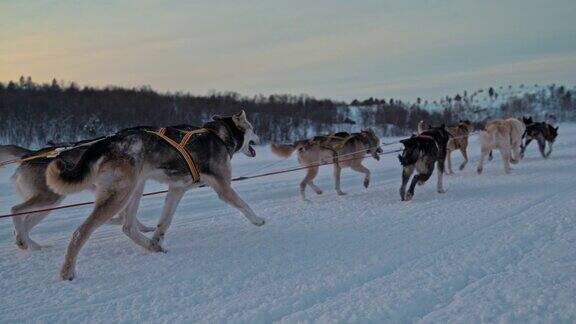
(180, 148)
(343, 141)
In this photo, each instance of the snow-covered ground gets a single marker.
(494, 248)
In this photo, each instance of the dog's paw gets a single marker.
(441, 191)
(408, 197)
(366, 183)
(21, 244)
(67, 273)
(462, 167)
(479, 170)
(156, 247)
(259, 222)
(319, 192)
(341, 193)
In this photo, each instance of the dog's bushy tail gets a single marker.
(283, 150)
(66, 179)
(11, 152)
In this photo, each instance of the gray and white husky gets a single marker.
(346, 150)
(118, 166)
(29, 181)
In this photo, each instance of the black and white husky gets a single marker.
(541, 132)
(420, 153)
(118, 166)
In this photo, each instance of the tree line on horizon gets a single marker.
(33, 113)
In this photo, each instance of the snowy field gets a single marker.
(494, 248)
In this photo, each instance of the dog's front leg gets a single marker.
(231, 197)
(439, 183)
(337, 172)
(170, 204)
(542, 147)
(228, 195)
(549, 149)
(406, 173)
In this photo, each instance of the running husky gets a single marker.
(504, 134)
(120, 165)
(541, 132)
(420, 153)
(458, 141)
(345, 149)
(29, 181)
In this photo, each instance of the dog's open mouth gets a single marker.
(251, 149)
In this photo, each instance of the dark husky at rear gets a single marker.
(421, 153)
(541, 132)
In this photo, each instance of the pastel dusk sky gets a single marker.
(338, 49)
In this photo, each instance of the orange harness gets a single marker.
(180, 148)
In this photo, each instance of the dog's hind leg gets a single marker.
(228, 195)
(337, 172)
(171, 202)
(358, 167)
(449, 161)
(505, 153)
(308, 180)
(484, 151)
(465, 155)
(24, 223)
(311, 183)
(112, 195)
(439, 183)
(406, 173)
(516, 156)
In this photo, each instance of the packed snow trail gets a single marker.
(494, 248)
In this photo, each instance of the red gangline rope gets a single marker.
(266, 174)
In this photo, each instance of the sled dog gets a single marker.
(118, 166)
(420, 153)
(541, 132)
(29, 181)
(344, 149)
(458, 141)
(506, 136)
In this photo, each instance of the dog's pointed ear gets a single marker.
(217, 117)
(556, 128)
(241, 115)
